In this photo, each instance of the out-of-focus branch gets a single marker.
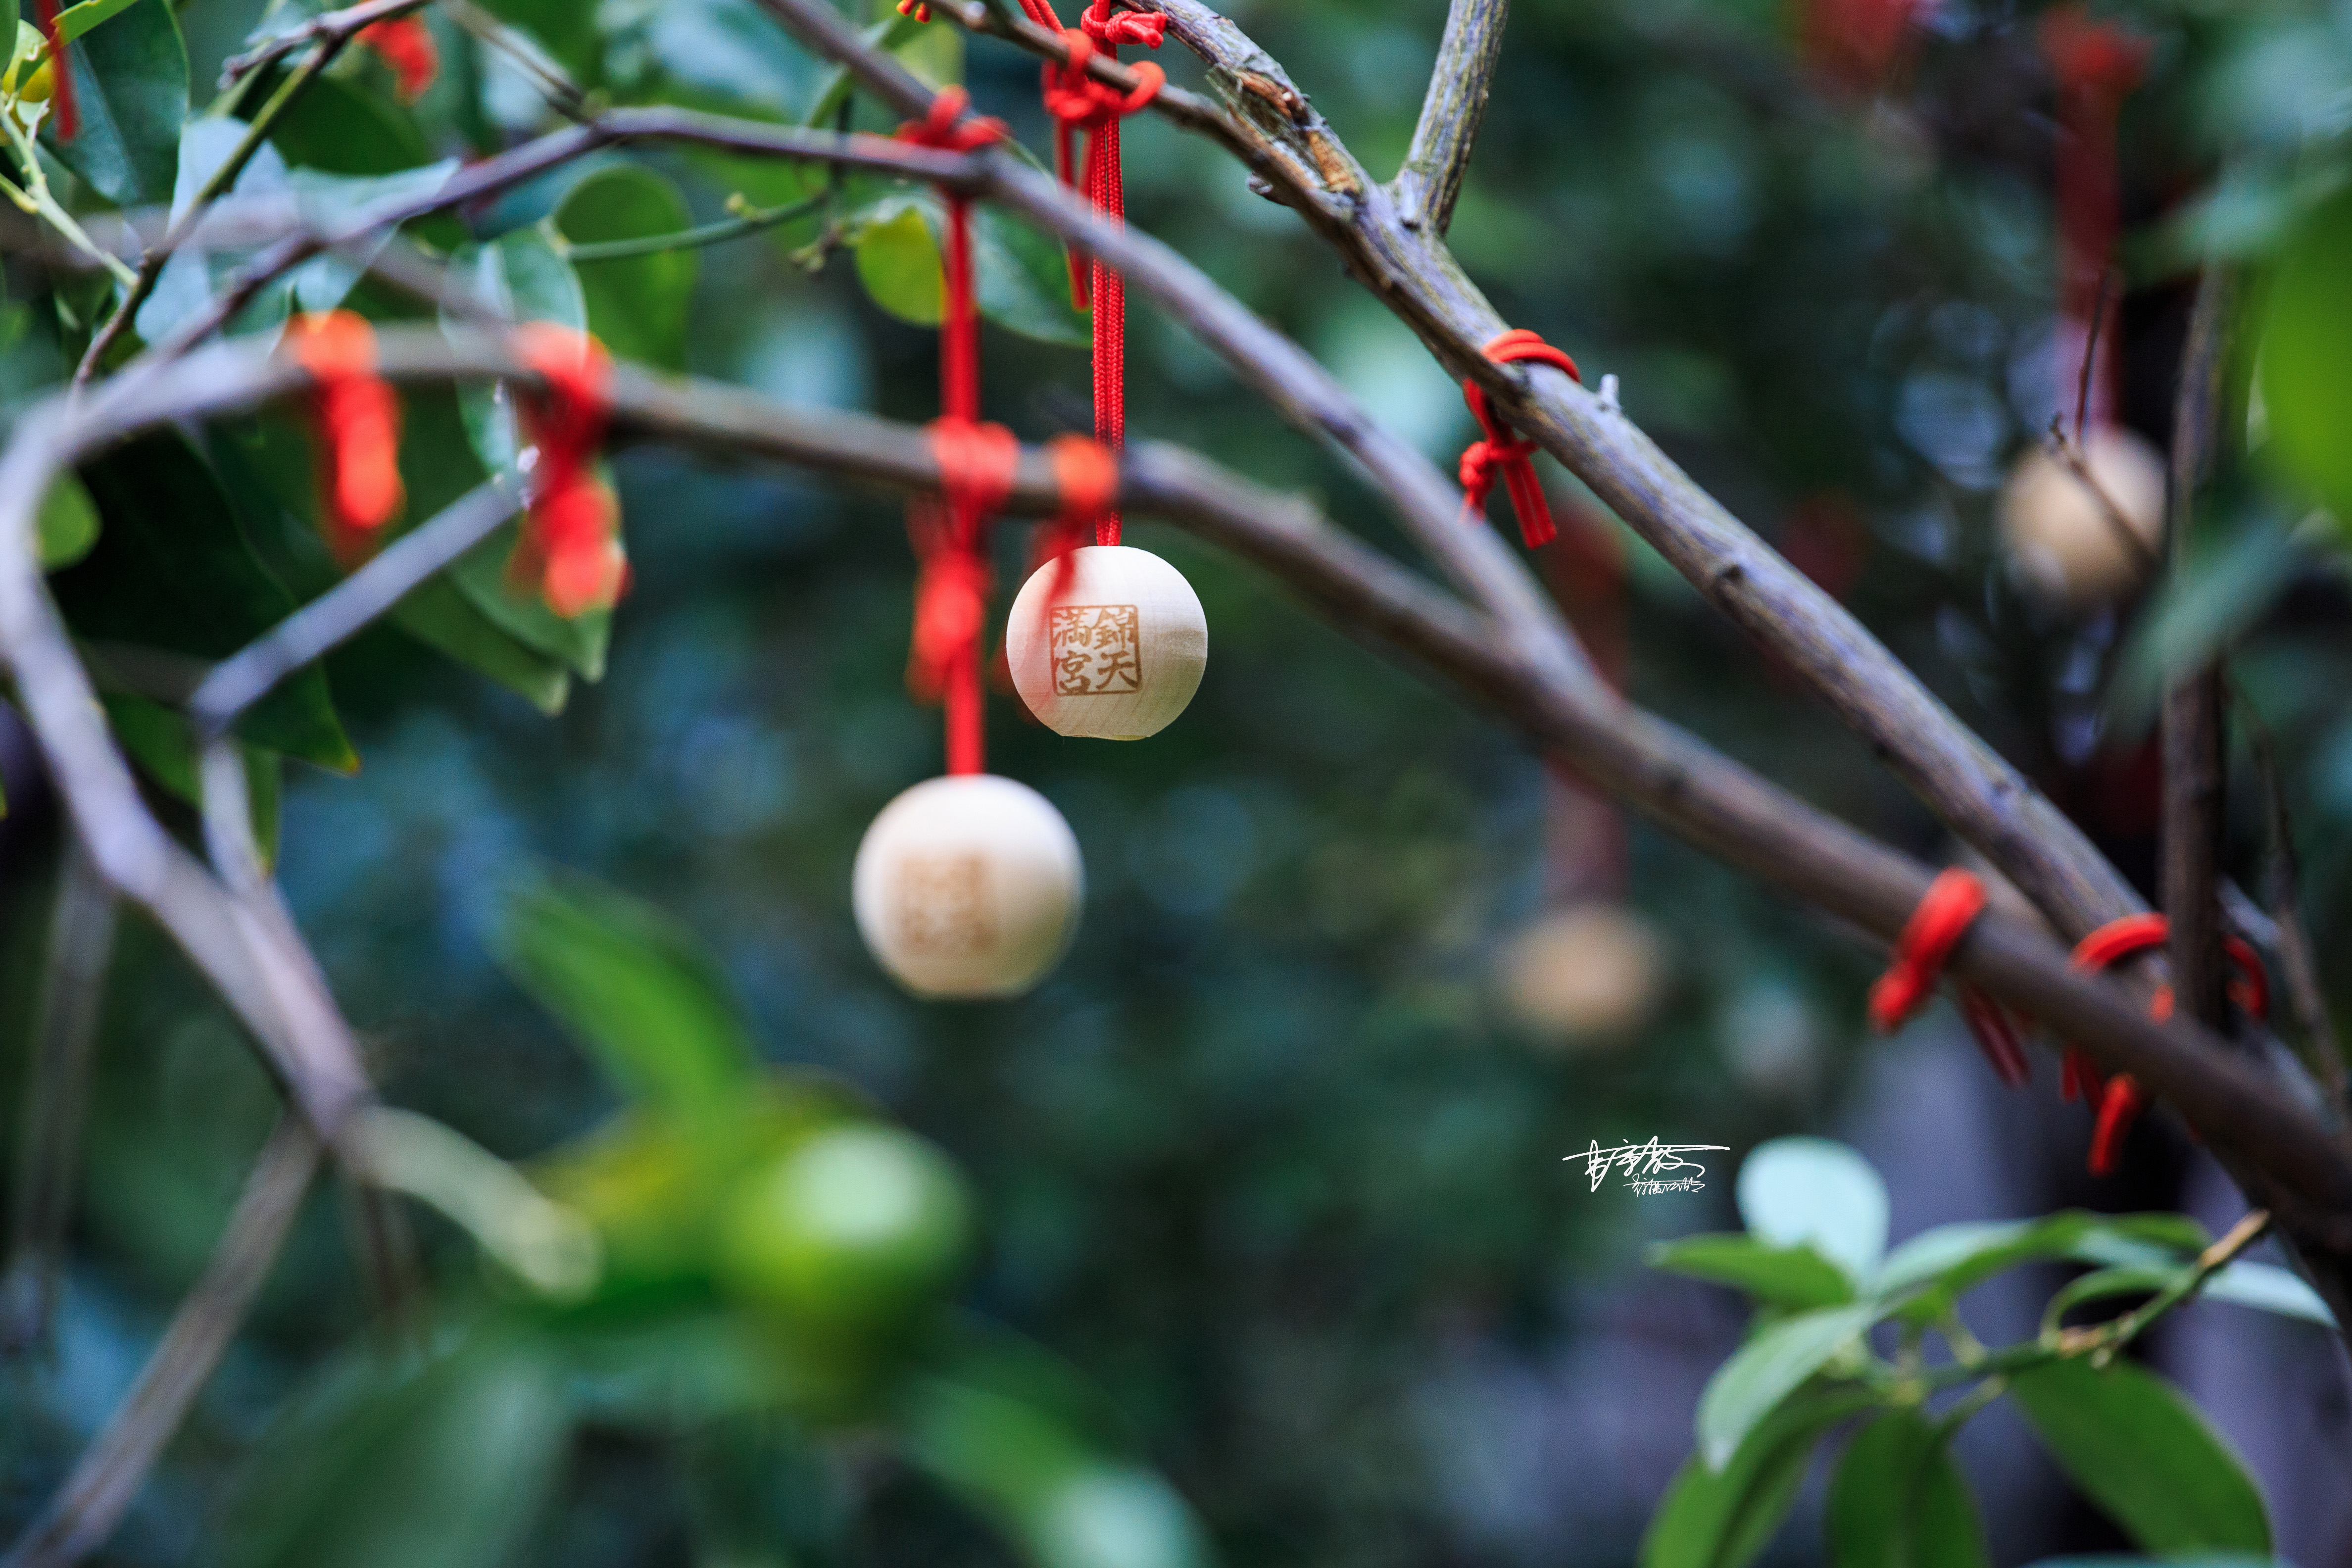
(1424, 190)
(333, 618)
(2288, 937)
(335, 28)
(81, 941)
(2194, 779)
(94, 1499)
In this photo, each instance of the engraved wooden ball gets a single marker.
(969, 886)
(1116, 653)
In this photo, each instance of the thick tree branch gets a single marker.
(94, 1499)
(2194, 779)
(1425, 189)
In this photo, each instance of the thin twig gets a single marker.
(2091, 351)
(81, 941)
(2194, 778)
(750, 221)
(217, 183)
(2077, 462)
(85, 1509)
(334, 27)
(2290, 937)
(239, 681)
(1426, 187)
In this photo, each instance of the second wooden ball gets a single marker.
(1112, 646)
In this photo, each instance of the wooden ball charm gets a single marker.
(1114, 649)
(968, 885)
(2066, 539)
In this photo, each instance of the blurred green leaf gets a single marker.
(1954, 1257)
(898, 262)
(2142, 1453)
(2217, 593)
(68, 524)
(1785, 1275)
(637, 304)
(438, 614)
(163, 742)
(565, 28)
(443, 1468)
(523, 275)
(634, 986)
(1721, 1518)
(171, 571)
(2306, 343)
(1768, 1369)
(1023, 280)
(339, 128)
(2269, 1289)
(2106, 1284)
(131, 83)
(76, 20)
(1811, 1192)
(1898, 1501)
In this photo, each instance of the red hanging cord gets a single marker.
(1501, 454)
(570, 547)
(355, 423)
(62, 82)
(1945, 912)
(2121, 1098)
(405, 43)
(2097, 65)
(1081, 103)
(977, 464)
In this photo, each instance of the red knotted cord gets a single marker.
(571, 547)
(1500, 454)
(1951, 904)
(1079, 103)
(977, 464)
(62, 82)
(354, 422)
(2121, 1098)
(405, 43)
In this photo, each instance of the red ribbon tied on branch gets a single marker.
(354, 423)
(2120, 1098)
(1501, 454)
(571, 548)
(1945, 912)
(62, 82)
(405, 43)
(977, 466)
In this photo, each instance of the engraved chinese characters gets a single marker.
(1110, 646)
(968, 885)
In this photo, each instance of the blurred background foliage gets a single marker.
(1278, 1151)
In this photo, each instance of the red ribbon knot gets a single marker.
(571, 545)
(978, 464)
(1503, 455)
(1945, 912)
(948, 126)
(355, 421)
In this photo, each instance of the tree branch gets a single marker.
(92, 1501)
(335, 28)
(81, 941)
(1424, 190)
(2194, 779)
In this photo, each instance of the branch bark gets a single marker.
(2194, 778)
(94, 1499)
(1426, 187)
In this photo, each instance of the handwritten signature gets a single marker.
(1644, 1163)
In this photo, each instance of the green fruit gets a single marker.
(2307, 346)
(857, 1227)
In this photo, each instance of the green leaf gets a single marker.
(636, 304)
(1898, 1501)
(76, 20)
(2306, 343)
(162, 743)
(2204, 605)
(68, 523)
(2144, 1455)
(1810, 1191)
(2106, 1285)
(131, 83)
(1952, 1258)
(898, 262)
(1023, 280)
(1768, 1369)
(2271, 1290)
(1784, 1276)
(340, 127)
(524, 276)
(1723, 1517)
(636, 987)
(171, 571)
(439, 616)
(448, 1465)
(565, 28)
